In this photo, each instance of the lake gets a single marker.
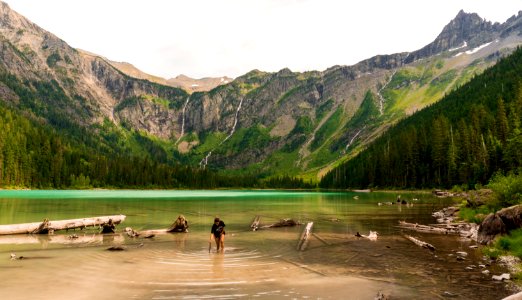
(264, 264)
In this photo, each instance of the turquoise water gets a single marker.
(261, 264)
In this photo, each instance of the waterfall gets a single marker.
(183, 120)
(235, 122)
(381, 98)
(204, 161)
(353, 138)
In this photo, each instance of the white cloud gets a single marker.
(202, 38)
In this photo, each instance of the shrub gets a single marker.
(508, 189)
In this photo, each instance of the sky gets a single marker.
(213, 38)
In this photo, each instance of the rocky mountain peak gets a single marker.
(465, 30)
(9, 20)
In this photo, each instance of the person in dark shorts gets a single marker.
(218, 233)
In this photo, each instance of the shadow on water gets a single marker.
(263, 264)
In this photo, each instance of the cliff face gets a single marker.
(284, 122)
(468, 31)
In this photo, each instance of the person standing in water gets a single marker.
(218, 233)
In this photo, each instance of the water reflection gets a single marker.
(261, 264)
(75, 239)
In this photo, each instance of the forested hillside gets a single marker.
(33, 155)
(470, 134)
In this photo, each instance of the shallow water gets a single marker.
(263, 264)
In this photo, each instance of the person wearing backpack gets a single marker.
(218, 233)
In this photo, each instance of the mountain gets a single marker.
(464, 139)
(198, 85)
(283, 123)
(186, 83)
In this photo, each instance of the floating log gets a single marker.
(431, 229)
(372, 236)
(307, 232)
(255, 223)
(282, 223)
(50, 226)
(420, 243)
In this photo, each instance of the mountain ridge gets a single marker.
(282, 123)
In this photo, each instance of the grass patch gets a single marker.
(323, 109)
(511, 243)
(157, 100)
(287, 95)
(209, 141)
(322, 157)
(328, 128)
(474, 215)
(247, 138)
(492, 252)
(442, 82)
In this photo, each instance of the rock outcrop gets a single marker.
(501, 222)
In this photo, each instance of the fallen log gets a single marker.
(420, 243)
(429, 229)
(372, 236)
(307, 232)
(282, 223)
(50, 226)
(255, 223)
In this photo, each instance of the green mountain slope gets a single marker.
(263, 125)
(470, 134)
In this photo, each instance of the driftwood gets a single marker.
(180, 225)
(282, 223)
(372, 236)
(420, 243)
(50, 226)
(447, 229)
(307, 232)
(255, 223)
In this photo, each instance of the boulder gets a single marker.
(501, 222)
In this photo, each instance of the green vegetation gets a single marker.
(508, 189)
(287, 95)
(323, 109)
(474, 215)
(510, 244)
(463, 139)
(157, 100)
(34, 156)
(53, 59)
(441, 82)
(328, 128)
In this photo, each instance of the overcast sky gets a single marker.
(201, 38)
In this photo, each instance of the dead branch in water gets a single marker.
(420, 243)
(303, 241)
(255, 223)
(430, 229)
